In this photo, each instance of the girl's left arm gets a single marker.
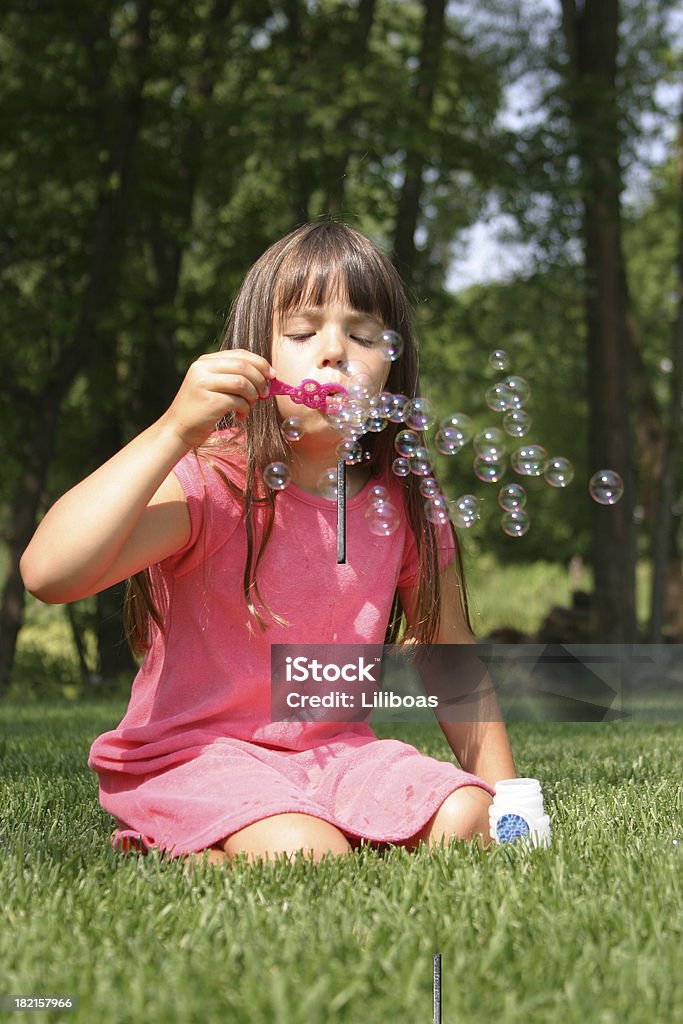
(482, 747)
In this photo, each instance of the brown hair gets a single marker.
(307, 267)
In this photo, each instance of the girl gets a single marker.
(222, 567)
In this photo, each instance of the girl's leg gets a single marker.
(464, 814)
(287, 833)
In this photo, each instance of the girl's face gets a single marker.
(326, 343)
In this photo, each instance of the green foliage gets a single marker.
(147, 161)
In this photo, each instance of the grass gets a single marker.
(588, 931)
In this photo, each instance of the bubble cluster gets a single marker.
(359, 412)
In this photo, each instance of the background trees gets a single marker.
(153, 150)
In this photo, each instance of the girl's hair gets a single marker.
(316, 263)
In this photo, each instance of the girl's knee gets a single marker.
(463, 815)
(288, 834)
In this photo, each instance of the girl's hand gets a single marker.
(217, 384)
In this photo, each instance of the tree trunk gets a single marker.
(405, 249)
(592, 30)
(667, 578)
(76, 355)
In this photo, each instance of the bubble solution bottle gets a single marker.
(517, 813)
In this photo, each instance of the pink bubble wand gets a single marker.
(310, 392)
(315, 395)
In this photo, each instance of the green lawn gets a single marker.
(588, 931)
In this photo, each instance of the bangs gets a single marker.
(337, 265)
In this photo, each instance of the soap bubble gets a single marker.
(466, 511)
(436, 510)
(512, 497)
(499, 397)
(390, 345)
(374, 423)
(327, 483)
(530, 460)
(277, 475)
(334, 404)
(351, 431)
(428, 487)
(420, 415)
(516, 422)
(420, 463)
(360, 388)
(461, 422)
(520, 390)
(398, 411)
(489, 471)
(382, 519)
(489, 444)
(406, 442)
(558, 471)
(515, 523)
(292, 429)
(498, 359)
(378, 494)
(349, 452)
(401, 467)
(353, 368)
(384, 403)
(606, 487)
(449, 440)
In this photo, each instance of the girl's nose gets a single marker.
(332, 349)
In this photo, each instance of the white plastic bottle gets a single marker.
(517, 813)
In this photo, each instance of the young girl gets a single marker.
(223, 567)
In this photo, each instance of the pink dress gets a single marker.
(196, 756)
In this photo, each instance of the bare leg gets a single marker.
(464, 814)
(287, 834)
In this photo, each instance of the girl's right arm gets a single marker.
(132, 512)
